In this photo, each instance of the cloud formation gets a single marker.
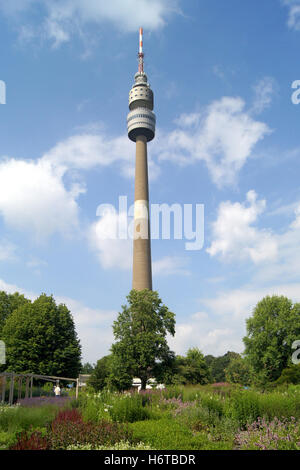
(223, 136)
(235, 237)
(62, 19)
(293, 13)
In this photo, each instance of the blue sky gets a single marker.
(227, 137)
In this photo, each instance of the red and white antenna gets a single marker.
(141, 54)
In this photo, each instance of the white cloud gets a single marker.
(64, 18)
(103, 236)
(223, 136)
(203, 334)
(94, 328)
(293, 14)
(170, 265)
(33, 198)
(264, 91)
(41, 196)
(235, 237)
(222, 326)
(7, 251)
(287, 264)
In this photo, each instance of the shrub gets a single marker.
(244, 407)
(36, 440)
(69, 429)
(130, 408)
(18, 418)
(7, 440)
(274, 435)
(166, 434)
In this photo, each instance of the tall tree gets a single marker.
(196, 370)
(141, 348)
(40, 337)
(271, 331)
(9, 303)
(101, 373)
(239, 371)
(218, 365)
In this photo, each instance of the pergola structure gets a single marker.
(17, 379)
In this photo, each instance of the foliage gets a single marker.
(40, 337)
(290, 375)
(35, 440)
(100, 374)
(7, 440)
(69, 429)
(9, 303)
(191, 369)
(218, 365)
(274, 435)
(239, 371)
(87, 368)
(19, 418)
(185, 418)
(141, 348)
(129, 408)
(273, 327)
(165, 434)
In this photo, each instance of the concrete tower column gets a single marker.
(141, 122)
(142, 272)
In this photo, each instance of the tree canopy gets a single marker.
(239, 371)
(40, 337)
(190, 369)
(273, 327)
(9, 303)
(218, 365)
(141, 349)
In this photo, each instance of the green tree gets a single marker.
(195, 368)
(290, 375)
(239, 371)
(9, 303)
(219, 364)
(87, 368)
(101, 373)
(141, 348)
(271, 330)
(40, 337)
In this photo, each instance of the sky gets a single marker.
(226, 138)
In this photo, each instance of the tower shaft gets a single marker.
(141, 122)
(142, 272)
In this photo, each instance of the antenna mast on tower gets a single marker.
(141, 54)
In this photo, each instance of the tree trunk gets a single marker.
(143, 383)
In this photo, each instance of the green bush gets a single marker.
(7, 440)
(129, 408)
(166, 434)
(18, 418)
(244, 407)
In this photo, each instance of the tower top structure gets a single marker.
(141, 119)
(141, 54)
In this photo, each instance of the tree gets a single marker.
(239, 371)
(290, 375)
(140, 331)
(87, 368)
(40, 337)
(9, 303)
(273, 327)
(219, 364)
(101, 373)
(195, 369)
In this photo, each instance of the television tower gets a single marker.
(141, 129)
